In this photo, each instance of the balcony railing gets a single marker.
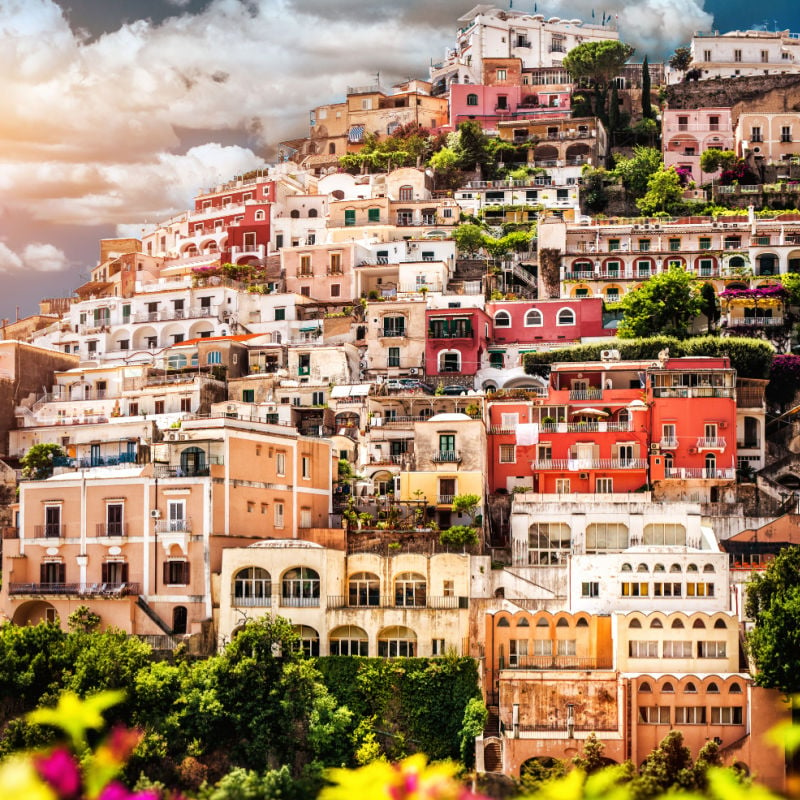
(669, 443)
(700, 473)
(300, 602)
(692, 391)
(555, 662)
(445, 499)
(446, 456)
(710, 443)
(197, 471)
(174, 525)
(585, 464)
(102, 589)
(49, 531)
(111, 529)
(585, 427)
(252, 602)
(392, 601)
(755, 322)
(585, 394)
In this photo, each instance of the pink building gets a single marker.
(687, 133)
(323, 272)
(456, 340)
(489, 105)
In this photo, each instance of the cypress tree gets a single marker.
(647, 109)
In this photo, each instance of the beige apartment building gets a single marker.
(139, 543)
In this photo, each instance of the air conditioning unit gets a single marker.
(723, 424)
(692, 450)
(584, 476)
(724, 224)
(155, 513)
(636, 227)
(655, 447)
(413, 371)
(657, 227)
(609, 355)
(363, 364)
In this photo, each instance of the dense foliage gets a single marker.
(750, 358)
(259, 713)
(784, 380)
(773, 603)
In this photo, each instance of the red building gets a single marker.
(693, 425)
(456, 340)
(547, 321)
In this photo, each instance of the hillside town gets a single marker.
(398, 388)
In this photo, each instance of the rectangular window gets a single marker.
(644, 244)
(508, 454)
(566, 647)
(517, 649)
(349, 216)
(786, 133)
(604, 485)
(501, 74)
(373, 215)
(278, 515)
(335, 264)
(737, 56)
(176, 572)
(437, 647)
(711, 650)
(690, 715)
(158, 407)
(635, 589)
(306, 467)
(393, 358)
(705, 242)
(755, 134)
(590, 589)
(562, 486)
(731, 715)
(447, 443)
(280, 463)
(675, 648)
(114, 524)
(654, 715)
(666, 589)
(765, 56)
(613, 245)
(674, 244)
(542, 647)
(52, 522)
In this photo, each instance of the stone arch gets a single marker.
(33, 612)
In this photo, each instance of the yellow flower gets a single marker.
(18, 780)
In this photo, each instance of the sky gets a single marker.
(115, 113)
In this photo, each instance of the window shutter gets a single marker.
(166, 572)
(42, 574)
(62, 573)
(124, 573)
(104, 573)
(185, 572)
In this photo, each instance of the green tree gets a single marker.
(444, 163)
(473, 149)
(664, 192)
(37, 463)
(613, 110)
(709, 305)
(681, 59)
(598, 63)
(647, 107)
(469, 239)
(773, 603)
(475, 716)
(714, 160)
(635, 171)
(459, 536)
(468, 504)
(665, 303)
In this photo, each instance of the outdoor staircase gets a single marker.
(521, 274)
(493, 756)
(145, 606)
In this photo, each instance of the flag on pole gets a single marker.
(592, 13)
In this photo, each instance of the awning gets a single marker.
(312, 328)
(354, 390)
(356, 134)
(497, 349)
(593, 411)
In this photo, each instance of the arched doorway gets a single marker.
(180, 619)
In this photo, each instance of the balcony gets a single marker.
(174, 525)
(446, 457)
(111, 529)
(445, 499)
(300, 602)
(755, 322)
(555, 662)
(710, 443)
(669, 443)
(49, 531)
(585, 394)
(265, 601)
(198, 471)
(700, 473)
(585, 464)
(101, 589)
(585, 427)
(393, 601)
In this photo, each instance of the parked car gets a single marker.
(454, 388)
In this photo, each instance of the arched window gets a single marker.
(690, 688)
(582, 623)
(562, 623)
(397, 642)
(364, 589)
(523, 623)
(626, 568)
(658, 568)
(642, 568)
(300, 588)
(312, 213)
(193, 462)
(692, 568)
(677, 623)
(735, 688)
(565, 317)
(675, 568)
(548, 543)
(712, 688)
(214, 357)
(708, 568)
(542, 622)
(635, 623)
(656, 623)
(252, 586)
(698, 623)
(410, 590)
(720, 624)
(667, 687)
(503, 623)
(711, 465)
(534, 318)
(294, 214)
(406, 193)
(348, 640)
(260, 215)
(179, 619)
(645, 687)
(472, 99)
(502, 319)
(308, 643)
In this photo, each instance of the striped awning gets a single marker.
(356, 134)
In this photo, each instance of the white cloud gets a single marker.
(36, 257)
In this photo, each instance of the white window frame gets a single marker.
(534, 312)
(279, 518)
(567, 310)
(504, 451)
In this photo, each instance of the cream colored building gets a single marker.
(349, 604)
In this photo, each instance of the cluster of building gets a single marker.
(271, 404)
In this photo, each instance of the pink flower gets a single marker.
(116, 791)
(60, 771)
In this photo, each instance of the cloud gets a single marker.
(36, 257)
